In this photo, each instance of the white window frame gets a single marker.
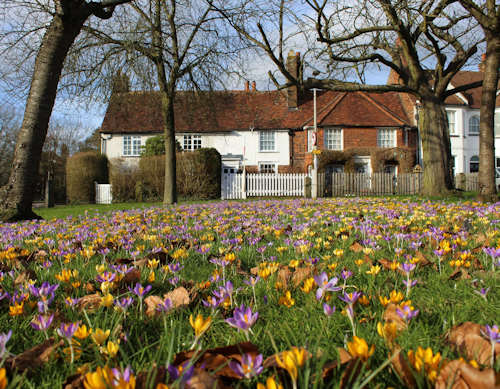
(334, 138)
(497, 124)
(386, 137)
(272, 165)
(474, 125)
(131, 146)
(476, 160)
(267, 141)
(452, 124)
(191, 142)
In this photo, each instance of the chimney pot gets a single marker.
(254, 86)
(482, 63)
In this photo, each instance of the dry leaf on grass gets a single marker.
(458, 374)
(151, 304)
(330, 367)
(34, 357)
(216, 360)
(356, 247)
(151, 378)
(89, 302)
(351, 373)
(203, 380)
(467, 338)
(284, 275)
(132, 277)
(422, 260)
(391, 316)
(459, 274)
(300, 274)
(179, 297)
(400, 364)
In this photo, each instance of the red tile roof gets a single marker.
(220, 111)
(473, 96)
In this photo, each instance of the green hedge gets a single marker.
(82, 171)
(198, 177)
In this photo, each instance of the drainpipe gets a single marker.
(314, 178)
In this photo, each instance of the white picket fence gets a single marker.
(103, 194)
(243, 185)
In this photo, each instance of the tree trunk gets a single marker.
(436, 149)
(170, 190)
(17, 195)
(487, 189)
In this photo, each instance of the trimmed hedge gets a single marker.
(198, 177)
(82, 171)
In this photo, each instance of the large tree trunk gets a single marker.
(170, 190)
(17, 195)
(436, 149)
(487, 189)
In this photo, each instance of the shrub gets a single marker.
(198, 175)
(124, 178)
(82, 171)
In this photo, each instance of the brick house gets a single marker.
(271, 131)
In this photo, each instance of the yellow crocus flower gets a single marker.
(107, 300)
(99, 336)
(3, 378)
(358, 348)
(200, 324)
(111, 349)
(270, 384)
(100, 379)
(290, 360)
(388, 331)
(82, 332)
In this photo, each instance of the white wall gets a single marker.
(233, 146)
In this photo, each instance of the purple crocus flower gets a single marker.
(184, 371)
(243, 318)
(42, 322)
(345, 274)
(410, 283)
(45, 293)
(350, 298)
(328, 310)
(249, 367)
(124, 303)
(252, 281)
(493, 335)
(483, 292)
(325, 285)
(407, 267)
(106, 277)
(119, 377)
(494, 253)
(211, 302)
(4, 338)
(67, 330)
(140, 291)
(407, 313)
(164, 306)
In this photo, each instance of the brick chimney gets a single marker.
(254, 86)
(293, 67)
(247, 86)
(483, 61)
(120, 83)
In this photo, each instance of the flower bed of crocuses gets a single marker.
(274, 293)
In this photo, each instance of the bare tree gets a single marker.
(66, 21)
(423, 44)
(176, 43)
(9, 127)
(487, 15)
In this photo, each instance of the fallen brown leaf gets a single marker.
(132, 277)
(179, 297)
(458, 374)
(459, 274)
(467, 338)
(151, 304)
(284, 275)
(356, 247)
(351, 373)
(390, 315)
(34, 357)
(330, 367)
(89, 302)
(422, 260)
(216, 360)
(400, 364)
(300, 274)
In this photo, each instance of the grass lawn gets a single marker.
(342, 293)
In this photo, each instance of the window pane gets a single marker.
(187, 142)
(196, 142)
(386, 137)
(497, 124)
(136, 145)
(333, 139)
(267, 168)
(266, 141)
(474, 124)
(451, 121)
(474, 164)
(127, 145)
